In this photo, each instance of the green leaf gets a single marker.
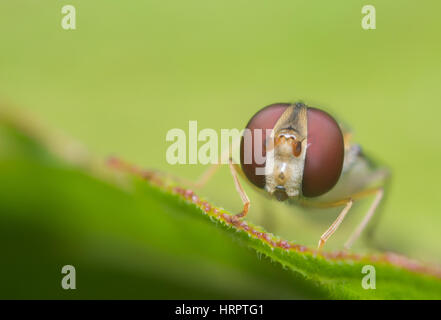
(132, 233)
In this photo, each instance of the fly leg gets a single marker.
(366, 219)
(241, 191)
(334, 226)
(347, 202)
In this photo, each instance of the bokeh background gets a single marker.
(132, 70)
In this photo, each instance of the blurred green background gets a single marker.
(135, 69)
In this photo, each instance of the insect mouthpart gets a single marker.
(280, 193)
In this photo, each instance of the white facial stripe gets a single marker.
(283, 167)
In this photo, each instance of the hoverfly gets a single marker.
(310, 160)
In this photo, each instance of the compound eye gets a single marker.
(324, 154)
(264, 119)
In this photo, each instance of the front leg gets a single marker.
(240, 190)
(334, 226)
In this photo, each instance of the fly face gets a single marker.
(285, 156)
(304, 153)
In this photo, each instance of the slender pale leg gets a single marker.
(348, 204)
(241, 191)
(366, 219)
(334, 226)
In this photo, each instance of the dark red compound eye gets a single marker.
(264, 119)
(324, 153)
